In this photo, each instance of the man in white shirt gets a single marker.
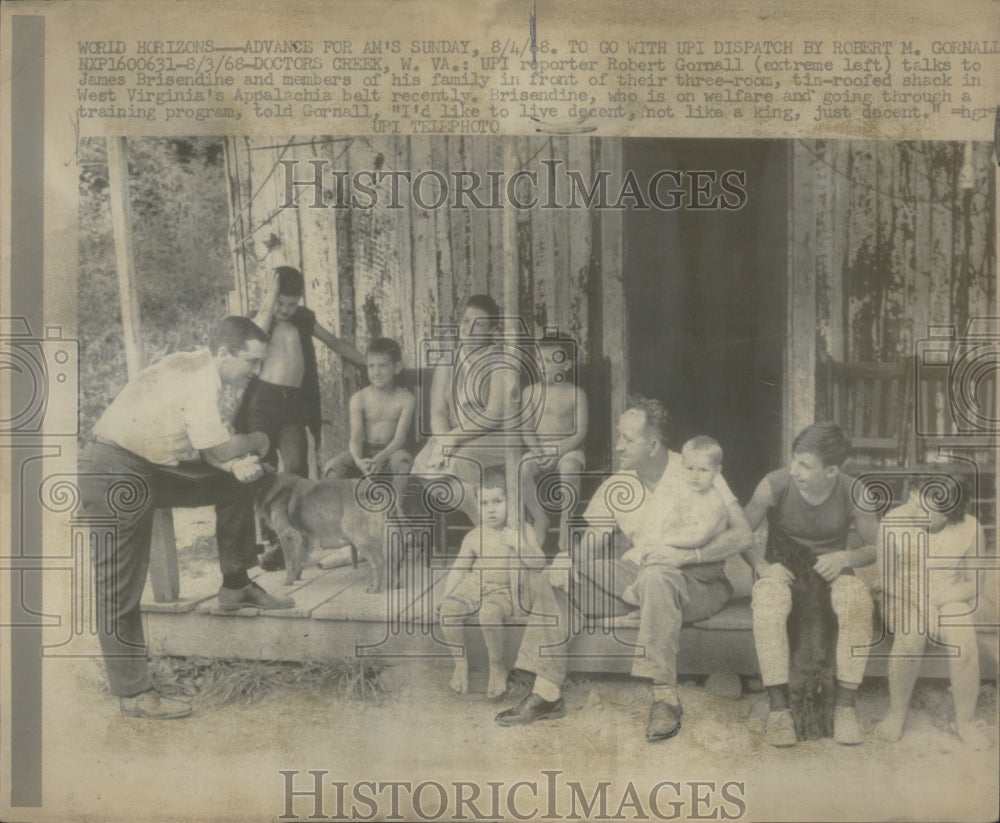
(692, 587)
(162, 444)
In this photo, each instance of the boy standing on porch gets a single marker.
(283, 401)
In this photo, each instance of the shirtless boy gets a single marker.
(381, 417)
(557, 441)
(284, 400)
(692, 518)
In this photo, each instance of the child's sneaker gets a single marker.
(846, 729)
(780, 729)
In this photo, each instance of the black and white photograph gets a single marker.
(748, 320)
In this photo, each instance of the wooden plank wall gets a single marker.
(398, 271)
(898, 243)
(890, 241)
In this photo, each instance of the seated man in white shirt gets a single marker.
(683, 585)
(163, 443)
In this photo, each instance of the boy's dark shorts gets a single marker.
(271, 407)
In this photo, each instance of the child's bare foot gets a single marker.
(460, 677)
(971, 736)
(497, 685)
(890, 728)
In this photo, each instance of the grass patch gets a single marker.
(219, 683)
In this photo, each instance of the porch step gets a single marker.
(336, 617)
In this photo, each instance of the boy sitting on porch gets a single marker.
(485, 581)
(381, 416)
(283, 401)
(556, 443)
(692, 518)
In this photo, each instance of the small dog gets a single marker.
(812, 639)
(302, 512)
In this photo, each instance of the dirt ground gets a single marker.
(225, 763)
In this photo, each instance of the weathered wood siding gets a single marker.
(399, 271)
(885, 241)
(898, 243)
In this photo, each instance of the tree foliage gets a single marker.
(180, 237)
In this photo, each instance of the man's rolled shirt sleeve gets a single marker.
(202, 422)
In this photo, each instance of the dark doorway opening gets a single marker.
(705, 295)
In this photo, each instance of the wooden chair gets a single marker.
(950, 410)
(871, 402)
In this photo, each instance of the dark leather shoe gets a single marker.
(532, 708)
(273, 560)
(251, 596)
(152, 705)
(664, 721)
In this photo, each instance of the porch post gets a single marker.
(799, 405)
(512, 309)
(163, 571)
(614, 312)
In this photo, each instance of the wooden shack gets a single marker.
(815, 297)
(845, 251)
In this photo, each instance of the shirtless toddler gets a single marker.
(693, 517)
(484, 582)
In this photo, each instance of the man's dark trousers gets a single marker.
(110, 474)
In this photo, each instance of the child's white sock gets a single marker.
(546, 689)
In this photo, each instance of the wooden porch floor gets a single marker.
(335, 617)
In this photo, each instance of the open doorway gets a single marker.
(705, 295)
